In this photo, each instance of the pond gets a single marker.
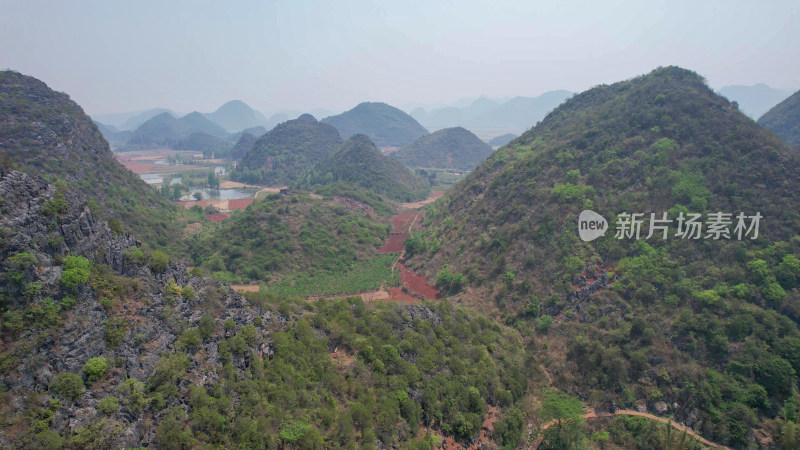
(158, 178)
(220, 194)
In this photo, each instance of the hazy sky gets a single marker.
(115, 56)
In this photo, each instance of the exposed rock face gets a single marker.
(46, 134)
(122, 291)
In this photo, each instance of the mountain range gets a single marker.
(489, 118)
(632, 256)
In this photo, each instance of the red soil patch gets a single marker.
(239, 203)
(224, 205)
(140, 168)
(416, 284)
(401, 223)
(399, 296)
(189, 204)
(217, 218)
(394, 244)
(387, 150)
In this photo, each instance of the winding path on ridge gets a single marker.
(591, 414)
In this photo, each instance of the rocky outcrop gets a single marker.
(149, 309)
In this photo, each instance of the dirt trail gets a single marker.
(591, 414)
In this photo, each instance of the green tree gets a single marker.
(172, 432)
(448, 281)
(159, 261)
(18, 266)
(67, 385)
(76, 271)
(108, 405)
(213, 181)
(95, 368)
(565, 414)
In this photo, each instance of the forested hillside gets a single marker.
(707, 324)
(279, 236)
(283, 155)
(358, 162)
(450, 148)
(104, 344)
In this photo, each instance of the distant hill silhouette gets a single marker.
(517, 114)
(450, 148)
(386, 125)
(360, 163)
(165, 130)
(784, 120)
(283, 155)
(754, 100)
(206, 143)
(129, 121)
(254, 131)
(114, 136)
(236, 115)
(502, 140)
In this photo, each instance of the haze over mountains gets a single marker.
(489, 118)
(754, 100)
(107, 341)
